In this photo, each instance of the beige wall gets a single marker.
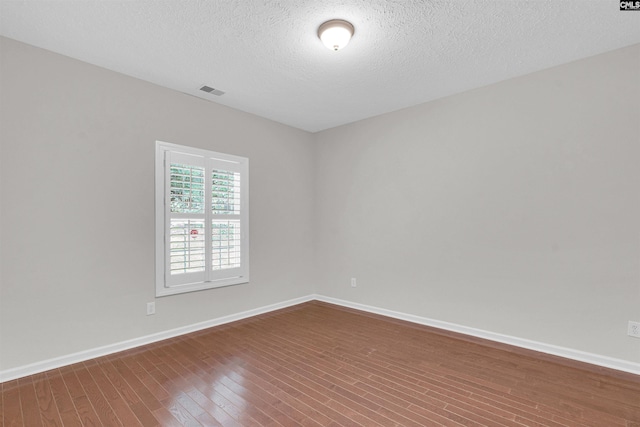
(77, 163)
(513, 208)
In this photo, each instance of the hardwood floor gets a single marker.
(316, 364)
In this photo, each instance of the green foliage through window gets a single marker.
(187, 188)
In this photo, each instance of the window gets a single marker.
(202, 219)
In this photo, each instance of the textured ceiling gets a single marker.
(267, 58)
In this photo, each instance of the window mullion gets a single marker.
(208, 173)
(167, 217)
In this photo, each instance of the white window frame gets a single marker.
(167, 284)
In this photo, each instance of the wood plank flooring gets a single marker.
(316, 364)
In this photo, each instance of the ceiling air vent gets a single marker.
(212, 91)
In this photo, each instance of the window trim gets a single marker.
(162, 219)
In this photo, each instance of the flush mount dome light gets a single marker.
(335, 34)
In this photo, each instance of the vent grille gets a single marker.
(212, 91)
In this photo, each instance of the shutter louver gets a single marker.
(225, 235)
(225, 242)
(225, 192)
(187, 252)
(187, 188)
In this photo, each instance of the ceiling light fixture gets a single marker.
(335, 34)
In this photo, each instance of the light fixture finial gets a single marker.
(336, 33)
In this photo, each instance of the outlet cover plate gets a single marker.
(634, 329)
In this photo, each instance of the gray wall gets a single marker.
(513, 208)
(77, 162)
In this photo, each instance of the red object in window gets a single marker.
(194, 233)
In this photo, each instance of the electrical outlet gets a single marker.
(151, 308)
(353, 282)
(634, 329)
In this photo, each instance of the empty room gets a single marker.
(320, 213)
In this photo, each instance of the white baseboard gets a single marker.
(46, 365)
(568, 353)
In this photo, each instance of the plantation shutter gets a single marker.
(205, 220)
(185, 210)
(226, 225)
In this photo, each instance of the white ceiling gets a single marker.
(268, 59)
